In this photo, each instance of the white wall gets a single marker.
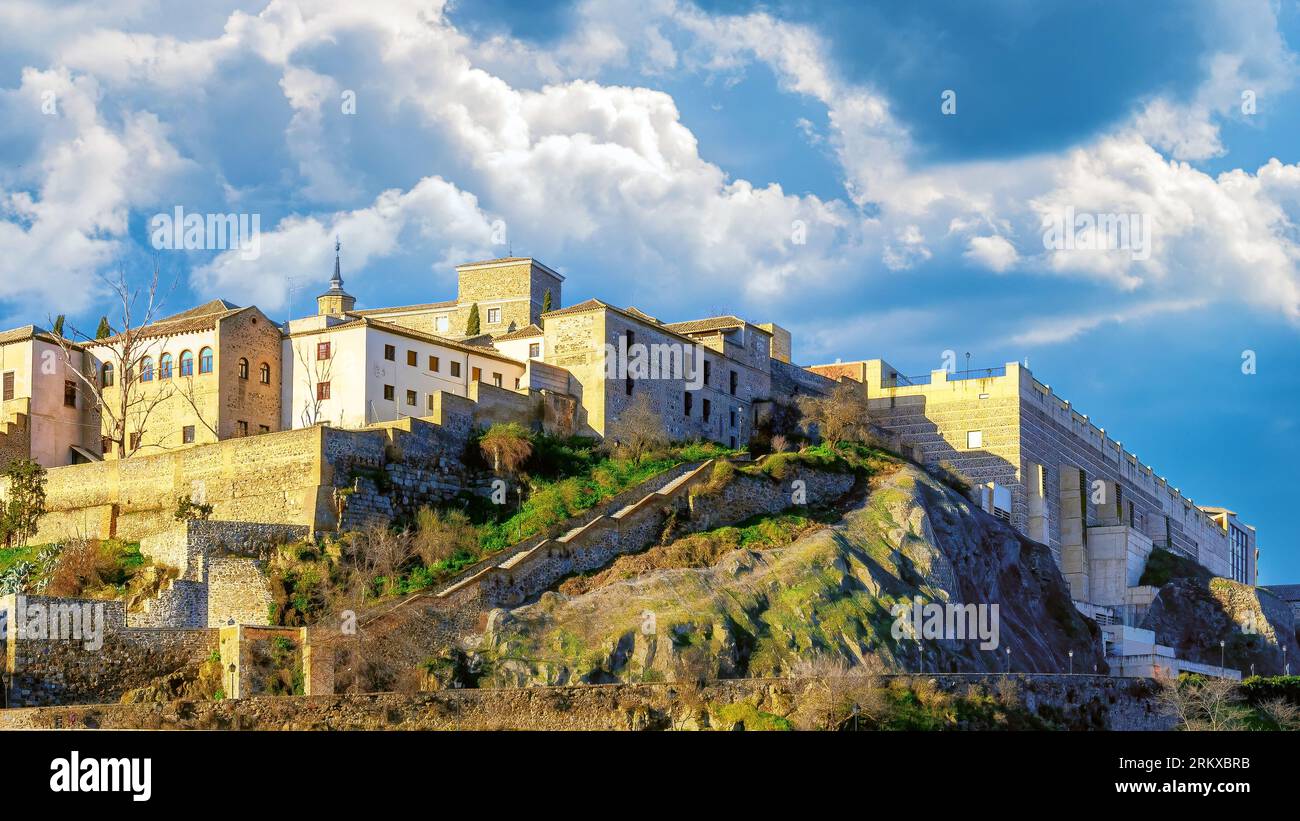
(358, 373)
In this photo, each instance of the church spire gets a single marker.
(335, 301)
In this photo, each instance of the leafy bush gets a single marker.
(1164, 566)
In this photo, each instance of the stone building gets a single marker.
(509, 293)
(1055, 475)
(44, 412)
(206, 374)
(702, 377)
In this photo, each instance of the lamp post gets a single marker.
(232, 679)
(1071, 662)
(1222, 644)
(1008, 659)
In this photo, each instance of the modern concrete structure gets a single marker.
(1055, 475)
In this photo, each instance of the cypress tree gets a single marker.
(472, 325)
(546, 301)
(105, 330)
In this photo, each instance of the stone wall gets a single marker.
(1079, 702)
(237, 589)
(75, 671)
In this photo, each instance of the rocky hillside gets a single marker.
(1194, 613)
(827, 597)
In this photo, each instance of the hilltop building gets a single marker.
(206, 374)
(44, 412)
(1055, 475)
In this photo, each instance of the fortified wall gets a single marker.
(314, 478)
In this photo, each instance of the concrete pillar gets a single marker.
(1074, 546)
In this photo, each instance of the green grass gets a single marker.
(9, 556)
(1164, 566)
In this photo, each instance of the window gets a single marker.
(534, 350)
(974, 439)
(105, 445)
(735, 379)
(733, 443)
(187, 363)
(430, 401)
(205, 360)
(187, 434)
(496, 379)
(241, 428)
(106, 375)
(732, 419)
(70, 393)
(390, 353)
(706, 410)
(494, 316)
(165, 366)
(146, 369)
(390, 393)
(411, 398)
(434, 362)
(263, 428)
(8, 386)
(516, 383)
(688, 400)
(322, 350)
(707, 370)
(243, 368)
(135, 441)
(322, 391)
(476, 374)
(1002, 502)
(455, 369)
(627, 380)
(412, 359)
(442, 323)
(265, 374)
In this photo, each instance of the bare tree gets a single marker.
(843, 416)
(1202, 703)
(314, 372)
(637, 430)
(123, 405)
(836, 693)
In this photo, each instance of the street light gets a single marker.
(232, 679)
(1221, 646)
(1071, 662)
(1008, 659)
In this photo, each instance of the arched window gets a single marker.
(187, 363)
(106, 375)
(165, 366)
(266, 374)
(205, 360)
(243, 368)
(146, 369)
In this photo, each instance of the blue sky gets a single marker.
(662, 154)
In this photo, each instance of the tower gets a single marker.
(335, 301)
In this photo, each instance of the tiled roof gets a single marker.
(18, 334)
(523, 333)
(585, 305)
(712, 323)
(202, 318)
(1285, 592)
(404, 309)
(402, 330)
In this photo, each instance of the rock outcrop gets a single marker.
(1194, 613)
(830, 596)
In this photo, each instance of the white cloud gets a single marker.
(992, 252)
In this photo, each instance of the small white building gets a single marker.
(350, 369)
